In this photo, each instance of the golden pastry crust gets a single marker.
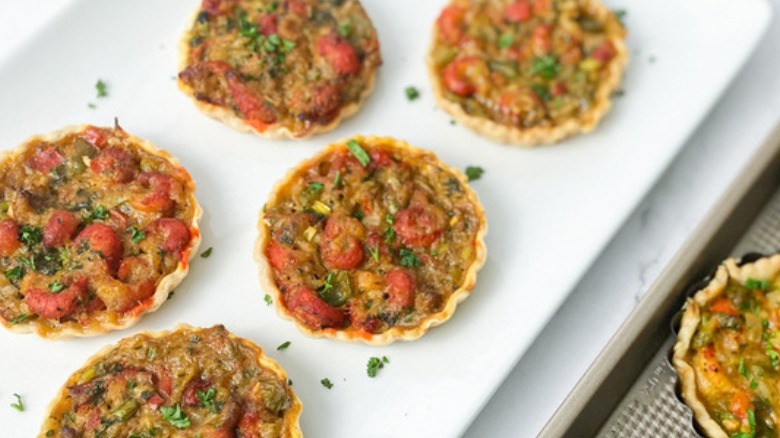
(402, 151)
(721, 385)
(166, 284)
(361, 83)
(536, 134)
(290, 427)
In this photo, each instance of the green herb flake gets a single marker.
(18, 319)
(316, 187)
(753, 284)
(752, 421)
(28, 262)
(345, 29)
(753, 384)
(56, 286)
(389, 231)
(19, 404)
(328, 285)
(30, 235)
(374, 252)
(207, 400)
(408, 258)
(205, 254)
(283, 346)
(175, 416)
(474, 173)
(742, 368)
(774, 357)
(101, 88)
(412, 93)
(359, 153)
(137, 235)
(506, 40)
(100, 212)
(15, 274)
(337, 179)
(326, 383)
(545, 66)
(268, 300)
(91, 105)
(542, 92)
(375, 364)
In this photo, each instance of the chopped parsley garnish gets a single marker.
(15, 274)
(175, 416)
(30, 235)
(545, 66)
(337, 179)
(752, 284)
(375, 364)
(19, 318)
(91, 105)
(137, 235)
(774, 357)
(315, 186)
(412, 93)
(389, 231)
(205, 254)
(56, 286)
(283, 346)
(28, 262)
(268, 300)
(359, 152)
(474, 172)
(409, 258)
(742, 368)
(328, 283)
(542, 92)
(753, 384)
(374, 252)
(18, 405)
(506, 40)
(752, 420)
(326, 383)
(270, 44)
(100, 212)
(207, 400)
(100, 86)
(345, 29)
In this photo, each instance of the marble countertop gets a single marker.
(639, 251)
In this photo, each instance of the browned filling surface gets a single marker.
(292, 64)
(192, 382)
(89, 225)
(371, 236)
(526, 63)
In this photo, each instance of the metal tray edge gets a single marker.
(726, 221)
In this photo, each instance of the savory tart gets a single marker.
(728, 351)
(191, 382)
(288, 68)
(96, 228)
(370, 240)
(527, 72)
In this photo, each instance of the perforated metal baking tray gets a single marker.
(630, 389)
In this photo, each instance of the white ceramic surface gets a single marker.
(550, 210)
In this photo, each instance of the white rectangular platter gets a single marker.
(550, 210)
